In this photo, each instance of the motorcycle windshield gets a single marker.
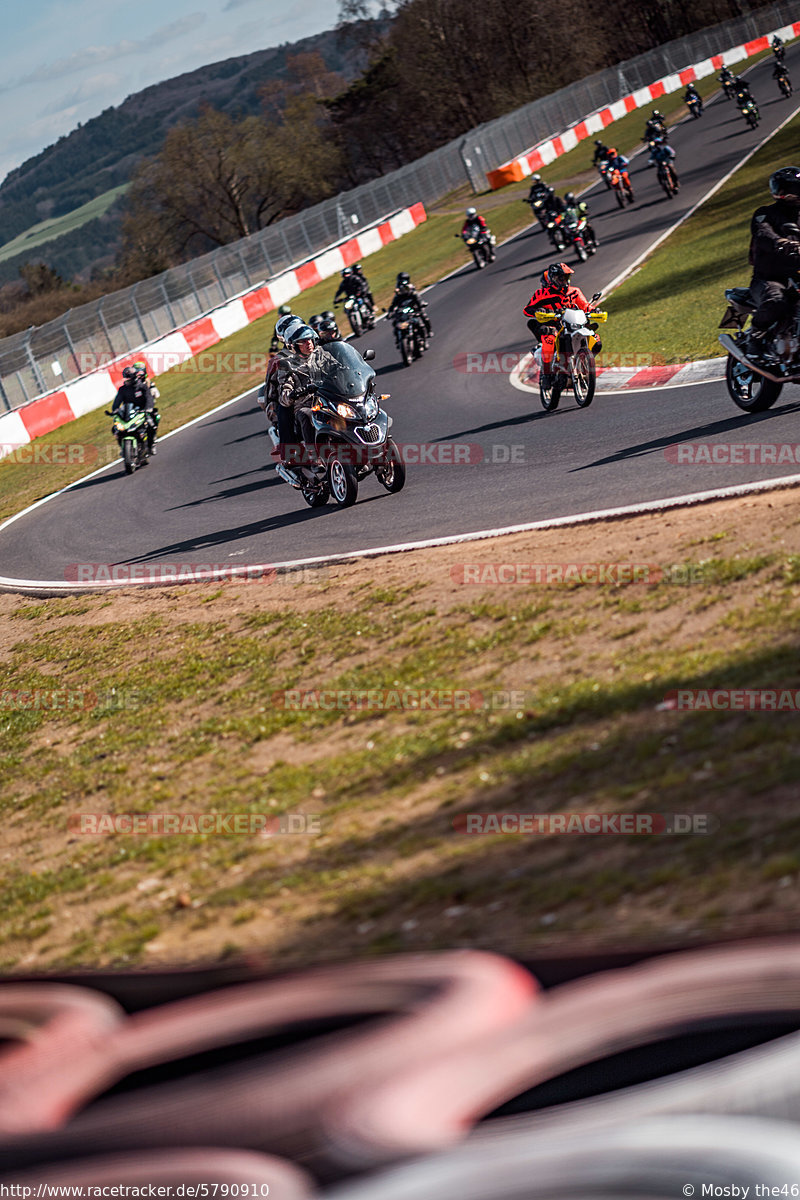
(575, 316)
(338, 372)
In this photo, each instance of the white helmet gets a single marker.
(472, 212)
(537, 179)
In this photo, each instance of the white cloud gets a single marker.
(94, 85)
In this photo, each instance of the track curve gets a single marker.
(495, 458)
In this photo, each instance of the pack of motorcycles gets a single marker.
(351, 429)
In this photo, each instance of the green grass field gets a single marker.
(55, 227)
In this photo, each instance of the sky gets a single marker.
(67, 60)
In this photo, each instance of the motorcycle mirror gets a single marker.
(108, 412)
(596, 296)
(368, 355)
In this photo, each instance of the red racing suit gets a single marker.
(548, 298)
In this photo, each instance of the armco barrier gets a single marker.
(545, 152)
(98, 387)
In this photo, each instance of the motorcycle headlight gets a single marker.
(347, 411)
(370, 407)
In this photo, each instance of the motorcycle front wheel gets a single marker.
(392, 476)
(405, 350)
(584, 378)
(581, 252)
(343, 483)
(747, 389)
(620, 197)
(316, 497)
(129, 456)
(549, 391)
(355, 322)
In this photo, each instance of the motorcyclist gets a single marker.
(777, 47)
(780, 71)
(691, 94)
(359, 273)
(774, 255)
(554, 295)
(538, 189)
(137, 390)
(580, 209)
(285, 310)
(406, 295)
(655, 126)
(726, 79)
(663, 153)
(351, 285)
(315, 322)
(618, 162)
(474, 225)
(742, 91)
(329, 332)
(600, 152)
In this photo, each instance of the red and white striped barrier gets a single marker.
(539, 156)
(99, 387)
(525, 376)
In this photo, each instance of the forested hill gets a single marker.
(103, 152)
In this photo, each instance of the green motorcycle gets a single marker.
(134, 434)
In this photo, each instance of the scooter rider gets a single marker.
(774, 255)
(135, 389)
(294, 385)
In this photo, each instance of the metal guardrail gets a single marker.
(42, 358)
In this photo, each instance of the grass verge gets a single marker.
(567, 688)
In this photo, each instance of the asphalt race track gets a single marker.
(209, 497)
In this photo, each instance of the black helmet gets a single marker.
(346, 272)
(328, 315)
(315, 321)
(330, 328)
(658, 115)
(403, 279)
(285, 310)
(785, 184)
(356, 266)
(558, 276)
(129, 374)
(570, 198)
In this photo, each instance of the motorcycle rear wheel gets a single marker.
(549, 391)
(584, 375)
(747, 389)
(316, 497)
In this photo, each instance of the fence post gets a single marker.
(34, 366)
(137, 314)
(71, 344)
(4, 397)
(111, 349)
(167, 304)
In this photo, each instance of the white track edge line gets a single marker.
(32, 586)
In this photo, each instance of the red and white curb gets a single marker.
(610, 380)
(99, 387)
(546, 152)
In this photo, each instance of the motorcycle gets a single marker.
(749, 111)
(134, 434)
(480, 244)
(779, 52)
(622, 186)
(359, 314)
(573, 347)
(575, 225)
(549, 220)
(351, 431)
(695, 105)
(666, 178)
(785, 85)
(729, 88)
(409, 333)
(755, 388)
